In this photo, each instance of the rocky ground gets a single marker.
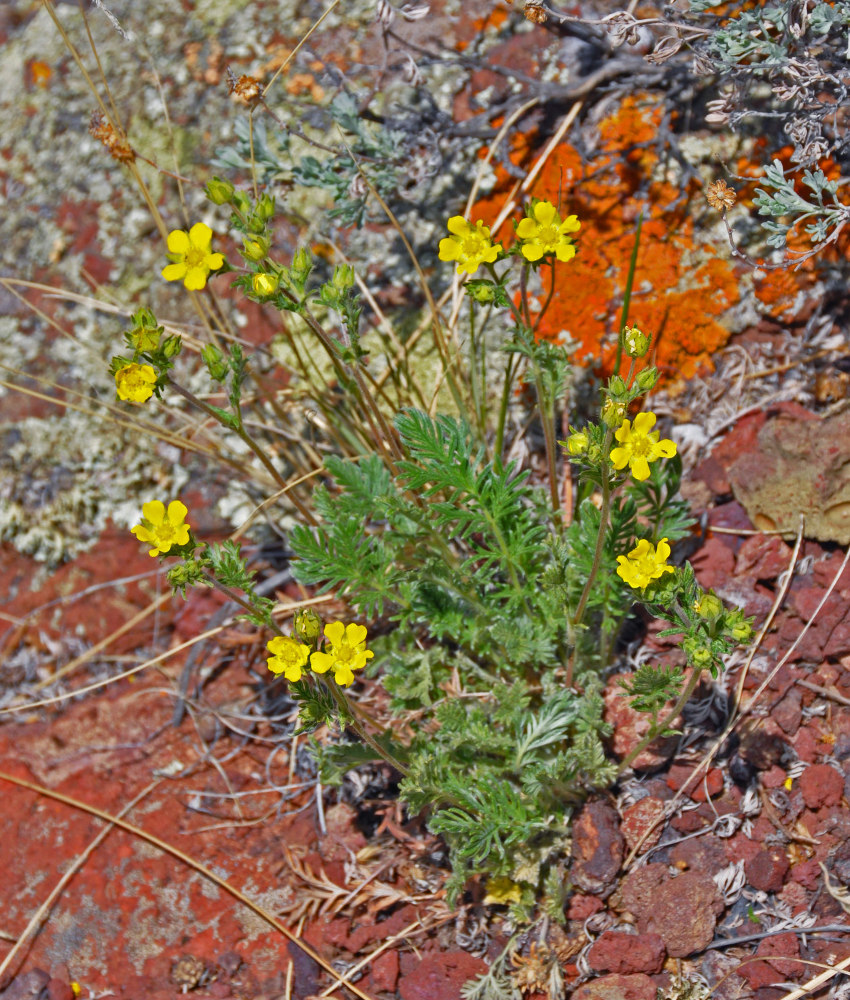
(723, 858)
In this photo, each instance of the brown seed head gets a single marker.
(246, 89)
(534, 12)
(720, 196)
(119, 148)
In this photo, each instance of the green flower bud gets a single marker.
(241, 202)
(256, 248)
(307, 625)
(343, 277)
(577, 443)
(219, 192)
(740, 630)
(697, 652)
(646, 379)
(617, 388)
(172, 346)
(214, 360)
(265, 208)
(613, 413)
(708, 606)
(635, 342)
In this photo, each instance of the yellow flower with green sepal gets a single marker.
(163, 528)
(191, 256)
(135, 383)
(469, 246)
(644, 563)
(348, 652)
(639, 445)
(288, 657)
(543, 232)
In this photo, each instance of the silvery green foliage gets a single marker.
(781, 69)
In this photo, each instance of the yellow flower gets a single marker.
(644, 564)
(639, 445)
(542, 232)
(469, 245)
(191, 260)
(502, 889)
(135, 382)
(162, 528)
(288, 657)
(264, 284)
(348, 652)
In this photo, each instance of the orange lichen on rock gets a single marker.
(681, 289)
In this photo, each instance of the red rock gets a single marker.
(774, 778)
(785, 948)
(581, 906)
(440, 975)
(384, 972)
(617, 987)
(806, 874)
(740, 848)
(805, 744)
(597, 851)
(630, 727)
(699, 786)
(763, 556)
(59, 989)
(640, 817)
(700, 854)
(617, 951)
(688, 822)
(714, 563)
(658, 901)
(788, 713)
(821, 785)
(767, 870)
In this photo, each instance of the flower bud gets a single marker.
(307, 625)
(577, 443)
(740, 630)
(214, 360)
(218, 191)
(708, 606)
(265, 207)
(697, 652)
(343, 277)
(265, 284)
(172, 346)
(255, 248)
(646, 379)
(635, 342)
(613, 413)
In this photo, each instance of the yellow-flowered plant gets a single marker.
(347, 652)
(191, 256)
(543, 232)
(288, 657)
(469, 246)
(163, 528)
(645, 563)
(135, 383)
(639, 445)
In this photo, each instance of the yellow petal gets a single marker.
(449, 249)
(154, 511)
(666, 448)
(458, 225)
(213, 261)
(663, 550)
(177, 512)
(175, 272)
(178, 241)
(640, 468)
(619, 456)
(200, 236)
(565, 252)
(321, 662)
(527, 229)
(355, 634)
(343, 676)
(196, 278)
(545, 213)
(335, 632)
(644, 422)
(570, 224)
(532, 251)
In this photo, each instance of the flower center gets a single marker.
(345, 653)
(474, 245)
(195, 257)
(166, 534)
(549, 236)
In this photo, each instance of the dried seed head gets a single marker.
(720, 196)
(119, 148)
(534, 12)
(247, 89)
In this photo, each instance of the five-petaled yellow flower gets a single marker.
(348, 652)
(469, 245)
(644, 563)
(288, 656)
(162, 528)
(135, 382)
(191, 257)
(639, 445)
(542, 232)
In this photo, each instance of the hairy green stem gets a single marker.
(349, 714)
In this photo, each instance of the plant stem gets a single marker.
(348, 712)
(600, 547)
(670, 717)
